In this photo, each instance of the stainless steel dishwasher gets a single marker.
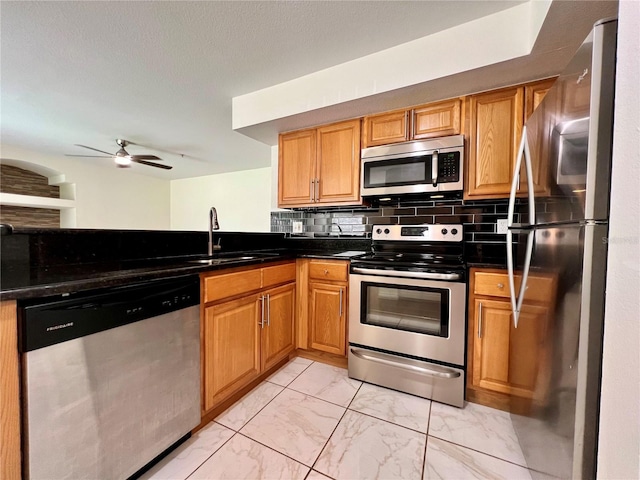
(111, 379)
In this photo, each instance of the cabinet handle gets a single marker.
(480, 320)
(268, 310)
(340, 311)
(500, 285)
(317, 189)
(262, 314)
(312, 191)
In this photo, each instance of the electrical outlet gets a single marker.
(502, 226)
(297, 226)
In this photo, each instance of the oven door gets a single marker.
(418, 317)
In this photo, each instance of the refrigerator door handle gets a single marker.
(512, 283)
(523, 152)
(517, 301)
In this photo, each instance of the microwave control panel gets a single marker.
(449, 167)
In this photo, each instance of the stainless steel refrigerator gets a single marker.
(560, 230)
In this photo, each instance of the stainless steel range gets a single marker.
(407, 312)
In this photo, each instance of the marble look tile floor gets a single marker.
(311, 421)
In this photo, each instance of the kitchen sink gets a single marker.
(218, 261)
(223, 259)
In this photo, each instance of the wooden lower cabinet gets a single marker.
(10, 438)
(508, 367)
(322, 303)
(507, 359)
(245, 335)
(278, 333)
(327, 319)
(232, 347)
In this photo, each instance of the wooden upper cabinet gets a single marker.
(391, 127)
(426, 121)
(437, 119)
(320, 166)
(296, 168)
(496, 120)
(338, 163)
(534, 93)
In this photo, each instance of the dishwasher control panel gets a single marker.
(48, 322)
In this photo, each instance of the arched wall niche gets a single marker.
(33, 195)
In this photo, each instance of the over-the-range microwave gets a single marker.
(418, 167)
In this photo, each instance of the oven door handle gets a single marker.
(401, 273)
(434, 371)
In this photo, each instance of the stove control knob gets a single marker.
(444, 231)
(379, 231)
(454, 231)
(386, 231)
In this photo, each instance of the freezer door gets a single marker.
(569, 136)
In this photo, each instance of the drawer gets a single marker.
(278, 274)
(226, 285)
(328, 270)
(539, 289)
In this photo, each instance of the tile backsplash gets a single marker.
(478, 217)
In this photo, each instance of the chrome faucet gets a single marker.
(213, 225)
(331, 227)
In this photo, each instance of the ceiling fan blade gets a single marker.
(88, 156)
(145, 157)
(95, 149)
(151, 164)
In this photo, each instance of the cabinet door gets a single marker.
(507, 359)
(437, 119)
(496, 128)
(327, 317)
(534, 93)
(231, 347)
(296, 168)
(278, 330)
(385, 128)
(338, 158)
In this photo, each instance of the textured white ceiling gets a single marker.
(163, 74)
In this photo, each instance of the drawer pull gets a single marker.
(500, 285)
(326, 272)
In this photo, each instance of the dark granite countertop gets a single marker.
(34, 282)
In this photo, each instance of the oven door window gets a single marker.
(402, 171)
(413, 309)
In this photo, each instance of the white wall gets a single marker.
(619, 444)
(105, 196)
(242, 199)
(495, 38)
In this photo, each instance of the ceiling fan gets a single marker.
(123, 158)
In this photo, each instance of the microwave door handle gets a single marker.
(434, 168)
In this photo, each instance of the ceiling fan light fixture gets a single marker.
(122, 158)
